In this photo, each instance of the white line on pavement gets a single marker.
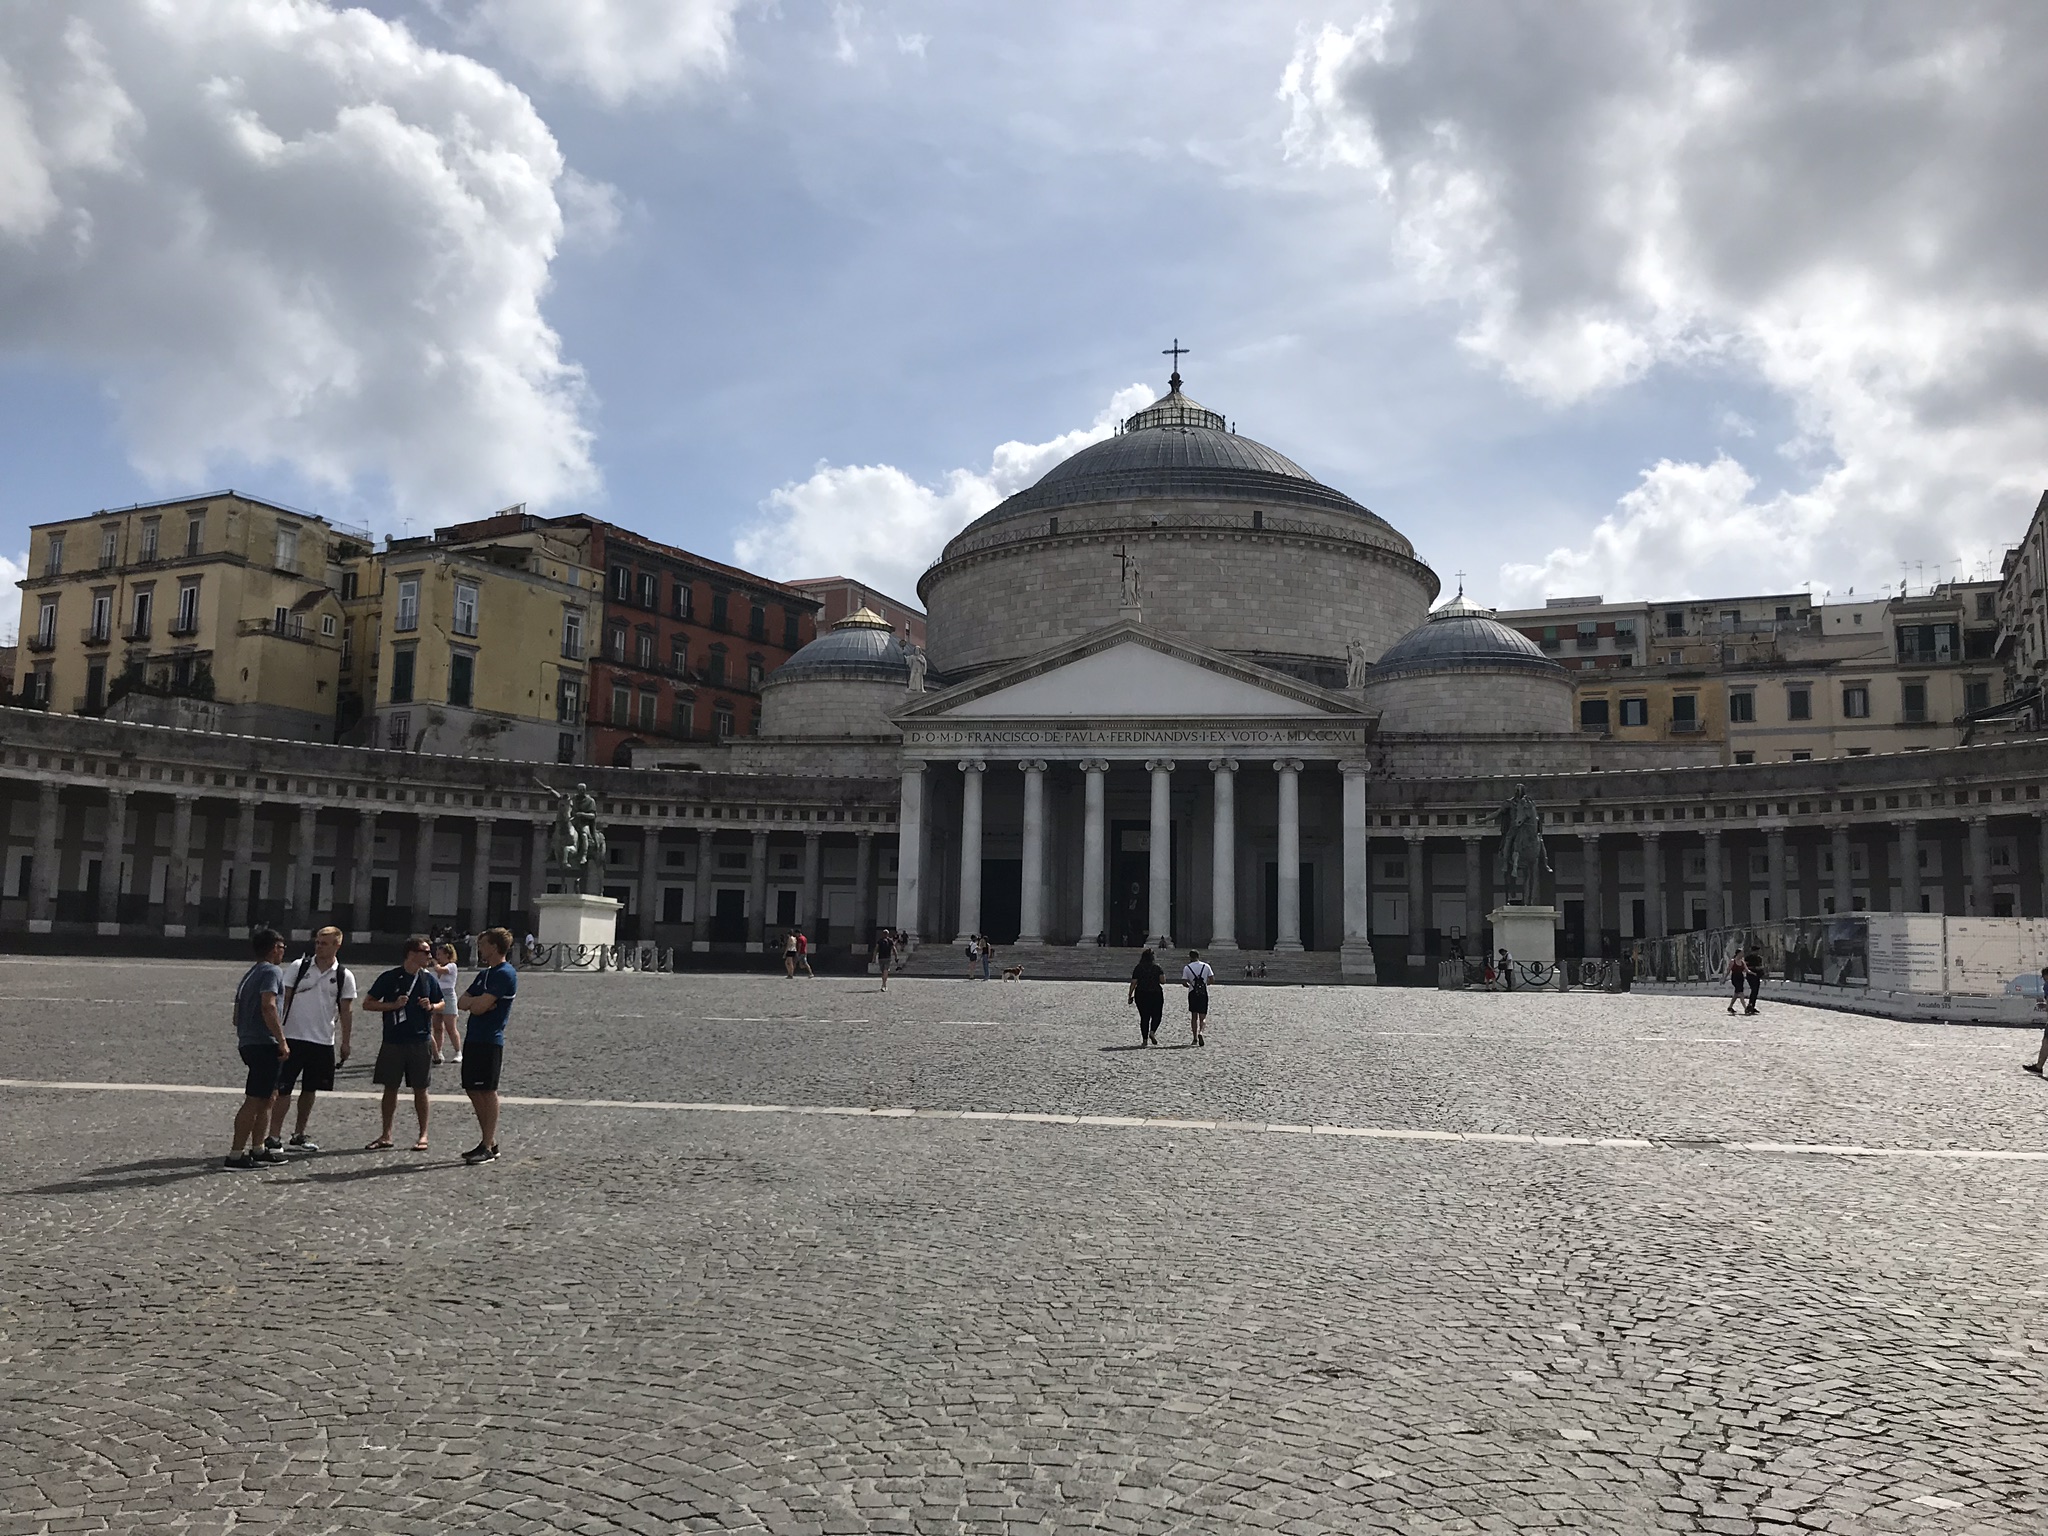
(1377, 1133)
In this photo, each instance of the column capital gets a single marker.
(1711, 834)
(1589, 836)
(1033, 764)
(972, 765)
(760, 837)
(1649, 836)
(1287, 765)
(1354, 767)
(811, 834)
(1159, 764)
(1223, 765)
(1095, 764)
(1411, 834)
(703, 836)
(864, 832)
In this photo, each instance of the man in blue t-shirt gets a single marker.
(407, 996)
(259, 1037)
(489, 1006)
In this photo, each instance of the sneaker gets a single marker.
(305, 1143)
(2031, 1066)
(480, 1154)
(263, 1154)
(272, 1144)
(239, 1160)
(458, 1058)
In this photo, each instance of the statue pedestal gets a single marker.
(1528, 934)
(577, 919)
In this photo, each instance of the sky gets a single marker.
(1647, 298)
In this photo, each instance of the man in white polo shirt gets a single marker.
(319, 998)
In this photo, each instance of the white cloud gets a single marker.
(616, 49)
(285, 233)
(882, 526)
(1840, 200)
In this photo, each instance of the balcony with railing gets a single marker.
(292, 627)
(183, 626)
(97, 634)
(137, 632)
(41, 640)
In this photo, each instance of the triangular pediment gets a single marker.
(1127, 672)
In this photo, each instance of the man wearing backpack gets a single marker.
(259, 1037)
(319, 994)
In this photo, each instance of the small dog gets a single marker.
(1013, 973)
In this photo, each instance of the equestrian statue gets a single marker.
(1523, 859)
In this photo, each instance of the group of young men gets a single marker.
(294, 1025)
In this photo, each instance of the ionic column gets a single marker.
(700, 922)
(480, 876)
(1355, 958)
(1159, 919)
(1418, 900)
(807, 897)
(1980, 866)
(1653, 886)
(539, 834)
(243, 863)
(910, 850)
(863, 889)
(1093, 875)
(1032, 923)
(1774, 854)
(361, 854)
(971, 773)
(1289, 938)
(301, 900)
(112, 846)
(757, 899)
(1839, 850)
(650, 880)
(178, 877)
(42, 892)
(1589, 892)
(1475, 888)
(1223, 861)
(422, 902)
(1909, 865)
(1717, 907)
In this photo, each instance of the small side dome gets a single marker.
(861, 648)
(1461, 634)
(1464, 673)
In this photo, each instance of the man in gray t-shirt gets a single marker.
(259, 1036)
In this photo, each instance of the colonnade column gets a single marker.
(1653, 887)
(1288, 939)
(807, 902)
(757, 892)
(909, 850)
(1223, 861)
(178, 877)
(1774, 853)
(1838, 849)
(1475, 890)
(361, 854)
(1717, 906)
(538, 836)
(480, 876)
(1159, 920)
(2041, 836)
(112, 845)
(1594, 921)
(863, 890)
(243, 864)
(650, 880)
(1031, 923)
(700, 901)
(42, 891)
(423, 870)
(1092, 873)
(1980, 866)
(1909, 865)
(1355, 959)
(971, 774)
(1418, 900)
(302, 904)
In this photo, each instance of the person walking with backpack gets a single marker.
(319, 996)
(1196, 976)
(259, 1038)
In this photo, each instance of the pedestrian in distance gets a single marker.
(1504, 968)
(1738, 981)
(988, 950)
(789, 954)
(885, 951)
(319, 1011)
(973, 953)
(1753, 969)
(447, 1022)
(406, 995)
(488, 1002)
(1196, 976)
(259, 1038)
(1148, 993)
(803, 953)
(2040, 1056)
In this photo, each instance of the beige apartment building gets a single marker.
(213, 612)
(472, 642)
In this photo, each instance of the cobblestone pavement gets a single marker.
(656, 1320)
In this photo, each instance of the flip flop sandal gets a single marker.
(379, 1145)
(420, 1145)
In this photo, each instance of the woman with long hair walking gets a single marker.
(1148, 992)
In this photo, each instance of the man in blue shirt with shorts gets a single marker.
(488, 1002)
(406, 995)
(259, 1037)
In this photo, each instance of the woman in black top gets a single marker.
(1149, 993)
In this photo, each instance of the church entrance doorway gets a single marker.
(1002, 899)
(1129, 905)
(1308, 905)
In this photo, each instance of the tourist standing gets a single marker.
(988, 950)
(1148, 992)
(1196, 976)
(885, 951)
(1753, 967)
(789, 954)
(319, 995)
(259, 1038)
(488, 1002)
(447, 1022)
(407, 996)
(1738, 980)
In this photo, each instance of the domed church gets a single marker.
(1168, 689)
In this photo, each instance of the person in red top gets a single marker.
(803, 954)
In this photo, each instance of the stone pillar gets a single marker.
(971, 773)
(1717, 905)
(422, 900)
(1418, 900)
(1223, 861)
(42, 893)
(539, 836)
(1909, 866)
(700, 924)
(1838, 850)
(910, 850)
(1031, 926)
(650, 880)
(1159, 919)
(178, 878)
(302, 869)
(2041, 840)
(1355, 960)
(1589, 893)
(1475, 894)
(362, 853)
(1093, 874)
(757, 896)
(807, 898)
(112, 846)
(1289, 938)
(863, 890)
(1653, 887)
(480, 876)
(1980, 866)
(1774, 855)
(240, 867)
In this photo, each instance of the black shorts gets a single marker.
(480, 1067)
(262, 1062)
(403, 1063)
(311, 1063)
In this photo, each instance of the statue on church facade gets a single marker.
(1355, 663)
(918, 664)
(1130, 581)
(577, 841)
(1523, 859)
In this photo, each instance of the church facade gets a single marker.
(1176, 692)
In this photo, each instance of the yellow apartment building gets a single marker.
(214, 612)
